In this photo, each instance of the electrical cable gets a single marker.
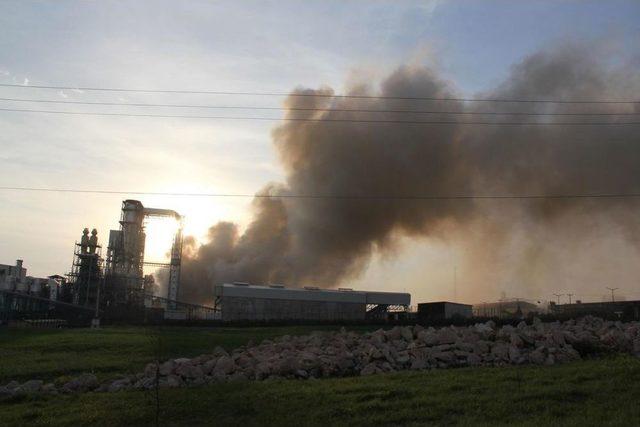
(327, 120)
(334, 196)
(318, 95)
(341, 110)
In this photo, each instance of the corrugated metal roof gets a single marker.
(315, 294)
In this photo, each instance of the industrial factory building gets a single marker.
(112, 287)
(109, 285)
(242, 301)
(125, 255)
(13, 278)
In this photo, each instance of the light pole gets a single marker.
(612, 289)
(569, 295)
(558, 296)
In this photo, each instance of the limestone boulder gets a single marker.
(370, 369)
(28, 387)
(446, 336)
(81, 383)
(407, 333)
(224, 366)
(167, 368)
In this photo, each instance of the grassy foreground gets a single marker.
(593, 392)
(47, 354)
(589, 393)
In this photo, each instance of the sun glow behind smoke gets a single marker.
(160, 234)
(197, 213)
(197, 210)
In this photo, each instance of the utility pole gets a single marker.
(95, 322)
(86, 298)
(569, 295)
(612, 289)
(455, 284)
(97, 315)
(558, 296)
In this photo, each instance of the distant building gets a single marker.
(13, 278)
(242, 301)
(509, 309)
(443, 310)
(624, 310)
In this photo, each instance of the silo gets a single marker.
(133, 238)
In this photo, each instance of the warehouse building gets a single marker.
(443, 310)
(242, 301)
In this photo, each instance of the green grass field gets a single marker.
(47, 354)
(594, 392)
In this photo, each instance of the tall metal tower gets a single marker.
(86, 270)
(125, 255)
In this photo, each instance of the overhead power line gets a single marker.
(340, 110)
(320, 95)
(337, 196)
(321, 120)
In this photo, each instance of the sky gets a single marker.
(247, 46)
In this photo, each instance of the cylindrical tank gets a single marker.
(133, 212)
(93, 241)
(132, 236)
(84, 241)
(53, 289)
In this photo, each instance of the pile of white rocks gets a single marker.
(338, 354)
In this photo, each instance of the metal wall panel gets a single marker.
(243, 308)
(327, 295)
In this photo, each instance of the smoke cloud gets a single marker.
(533, 243)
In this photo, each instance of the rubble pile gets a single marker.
(338, 354)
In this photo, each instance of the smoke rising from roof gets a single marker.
(326, 241)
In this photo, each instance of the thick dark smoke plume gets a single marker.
(325, 241)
